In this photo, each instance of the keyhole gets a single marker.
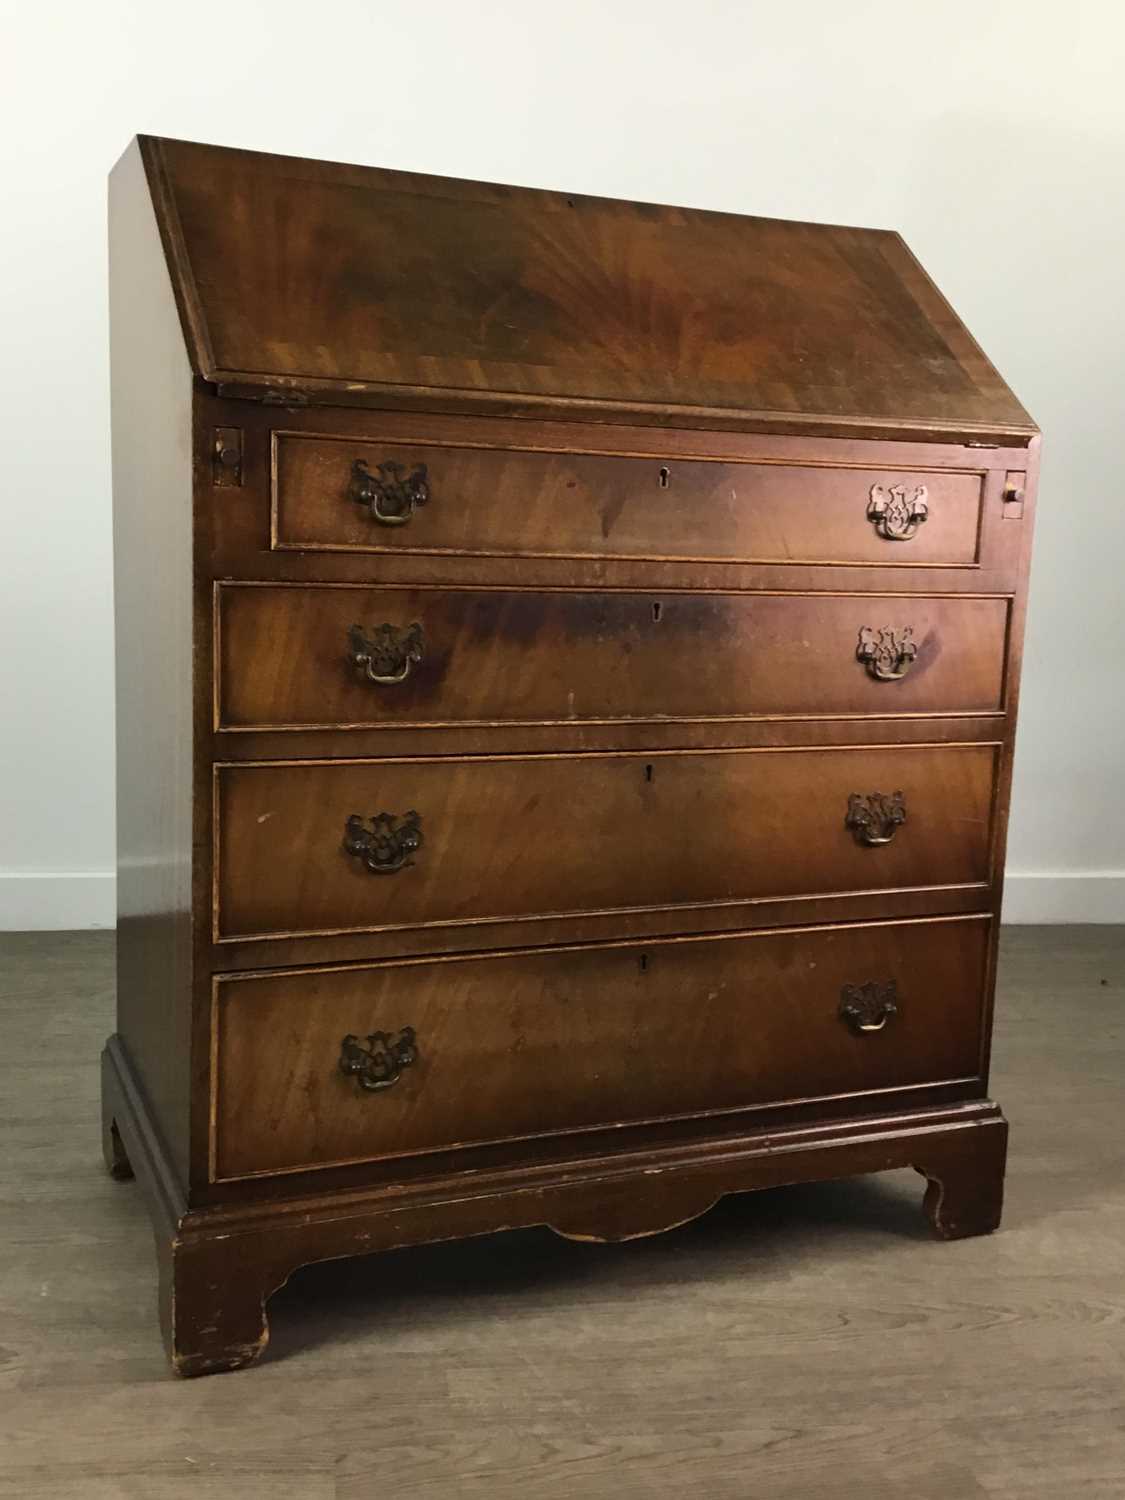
(664, 479)
(644, 963)
(648, 772)
(657, 611)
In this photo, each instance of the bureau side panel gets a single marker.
(151, 389)
(1018, 518)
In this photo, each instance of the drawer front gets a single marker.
(534, 1044)
(334, 847)
(309, 656)
(338, 495)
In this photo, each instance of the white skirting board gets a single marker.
(57, 900)
(1068, 896)
(62, 900)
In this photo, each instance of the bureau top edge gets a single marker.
(285, 394)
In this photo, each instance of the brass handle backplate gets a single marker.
(887, 654)
(895, 514)
(390, 495)
(385, 843)
(386, 654)
(874, 819)
(868, 1007)
(376, 1061)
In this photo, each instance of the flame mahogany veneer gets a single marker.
(568, 654)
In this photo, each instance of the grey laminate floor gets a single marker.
(809, 1342)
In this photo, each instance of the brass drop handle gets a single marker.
(390, 495)
(376, 1061)
(887, 654)
(386, 654)
(385, 842)
(896, 515)
(868, 1007)
(876, 818)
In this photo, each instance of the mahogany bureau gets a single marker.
(567, 659)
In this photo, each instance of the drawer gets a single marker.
(448, 841)
(322, 656)
(395, 496)
(532, 1044)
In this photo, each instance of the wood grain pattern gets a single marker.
(491, 657)
(495, 502)
(539, 1044)
(322, 275)
(534, 836)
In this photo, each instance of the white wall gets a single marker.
(991, 134)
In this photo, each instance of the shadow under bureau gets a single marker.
(567, 659)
